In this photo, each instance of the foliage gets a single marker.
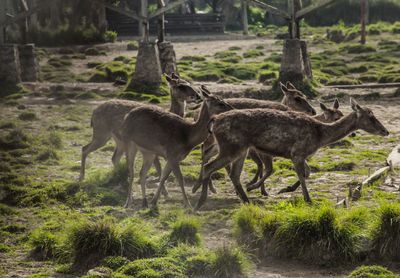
(110, 36)
(372, 271)
(185, 230)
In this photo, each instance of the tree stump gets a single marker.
(293, 66)
(148, 69)
(167, 57)
(10, 71)
(29, 67)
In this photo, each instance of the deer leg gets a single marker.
(178, 174)
(165, 174)
(259, 174)
(208, 151)
(157, 165)
(267, 161)
(300, 168)
(235, 172)
(293, 187)
(148, 159)
(97, 142)
(224, 157)
(118, 151)
(131, 152)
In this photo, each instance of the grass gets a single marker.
(386, 236)
(185, 230)
(372, 271)
(163, 267)
(27, 116)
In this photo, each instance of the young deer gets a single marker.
(156, 132)
(285, 134)
(293, 100)
(107, 119)
(328, 115)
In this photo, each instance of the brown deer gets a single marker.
(293, 100)
(156, 132)
(107, 118)
(285, 134)
(328, 115)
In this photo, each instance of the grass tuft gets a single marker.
(386, 236)
(27, 116)
(185, 230)
(229, 262)
(163, 267)
(372, 271)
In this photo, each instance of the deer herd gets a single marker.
(228, 129)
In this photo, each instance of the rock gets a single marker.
(100, 272)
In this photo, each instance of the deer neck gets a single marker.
(177, 107)
(339, 129)
(199, 131)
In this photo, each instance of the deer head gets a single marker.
(296, 100)
(331, 114)
(367, 121)
(214, 104)
(182, 90)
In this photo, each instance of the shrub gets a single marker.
(110, 36)
(372, 271)
(386, 236)
(163, 267)
(185, 230)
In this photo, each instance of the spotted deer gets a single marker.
(107, 119)
(293, 100)
(283, 134)
(156, 132)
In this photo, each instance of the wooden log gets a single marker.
(379, 174)
(361, 86)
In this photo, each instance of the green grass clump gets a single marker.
(229, 262)
(27, 116)
(372, 271)
(45, 244)
(386, 236)
(47, 154)
(185, 230)
(266, 75)
(343, 81)
(162, 267)
(253, 53)
(234, 48)
(241, 71)
(225, 54)
(133, 45)
(91, 242)
(194, 58)
(358, 69)
(315, 235)
(15, 139)
(4, 248)
(99, 77)
(396, 28)
(114, 262)
(359, 48)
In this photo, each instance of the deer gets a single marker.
(293, 100)
(286, 134)
(107, 119)
(156, 132)
(328, 115)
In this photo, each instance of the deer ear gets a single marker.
(284, 89)
(290, 86)
(354, 105)
(323, 106)
(336, 104)
(206, 93)
(174, 75)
